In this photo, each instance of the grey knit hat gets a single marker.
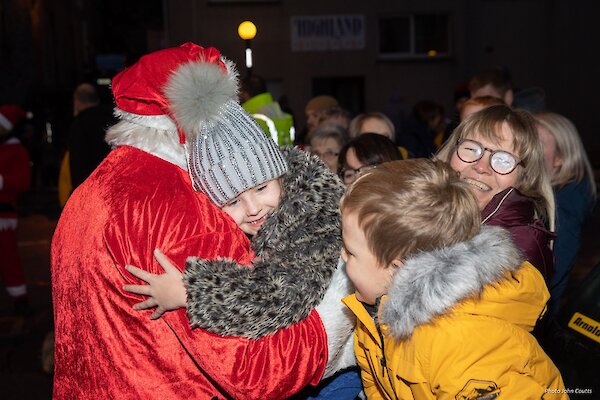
(231, 154)
(193, 90)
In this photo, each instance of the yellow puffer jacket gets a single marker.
(455, 325)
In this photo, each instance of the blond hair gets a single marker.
(575, 165)
(533, 180)
(408, 206)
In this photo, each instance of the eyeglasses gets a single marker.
(326, 154)
(502, 162)
(349, 175)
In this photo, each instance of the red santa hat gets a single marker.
(175, 88)
(194, 90)
(10, 115)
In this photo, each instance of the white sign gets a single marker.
(328, 32)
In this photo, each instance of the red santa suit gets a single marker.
(138, 199)
(15, 178)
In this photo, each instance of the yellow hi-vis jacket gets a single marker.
(276, 123)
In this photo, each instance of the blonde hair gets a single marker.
(358, 121)
(533, 180)
(575, 165)
(408, 206)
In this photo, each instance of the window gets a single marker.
(415, 36)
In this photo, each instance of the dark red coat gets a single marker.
(511, 210)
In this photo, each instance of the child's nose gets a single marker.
(253, 207)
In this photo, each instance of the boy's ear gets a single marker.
(396, 263)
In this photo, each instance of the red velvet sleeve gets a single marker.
(273, 367)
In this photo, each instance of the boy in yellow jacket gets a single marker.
(444, 305)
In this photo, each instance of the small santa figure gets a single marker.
(15, 178)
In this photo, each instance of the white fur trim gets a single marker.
(8, 224)
(197, 91)
(160, 143)
(339, 322)
(431, 283)
(5, 122)
(161, 122)
(16, 291)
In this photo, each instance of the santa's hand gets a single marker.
(166, 291)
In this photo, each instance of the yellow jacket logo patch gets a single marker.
(479, 390)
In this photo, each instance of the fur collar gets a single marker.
(297, 247)
(431, 283)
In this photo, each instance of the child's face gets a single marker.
(250, 208)
(370, 278)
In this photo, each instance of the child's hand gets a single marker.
(166, 292)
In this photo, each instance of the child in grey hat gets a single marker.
(287, 200)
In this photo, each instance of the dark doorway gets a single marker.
(349, 91)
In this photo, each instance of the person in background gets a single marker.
(575, 193)
(496, 82)
(443, 305)
(460, 95)
(315, 110)
(475, 104)
(326, 142)
(498, 153)
(365, 152)
(15, 178)
(372, 122)
(492, 82)
(259, 103)
(336, 115)
(423, 128)
(86, 145)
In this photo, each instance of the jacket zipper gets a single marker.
(383, 361)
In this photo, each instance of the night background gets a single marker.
(49, 47)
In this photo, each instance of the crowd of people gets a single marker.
(217, 251)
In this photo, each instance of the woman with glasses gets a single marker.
(326, 141)
(365, 152)
(498, 153)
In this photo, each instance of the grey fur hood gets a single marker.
(297, 248)
(431, 283)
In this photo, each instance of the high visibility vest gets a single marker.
(268, 114)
